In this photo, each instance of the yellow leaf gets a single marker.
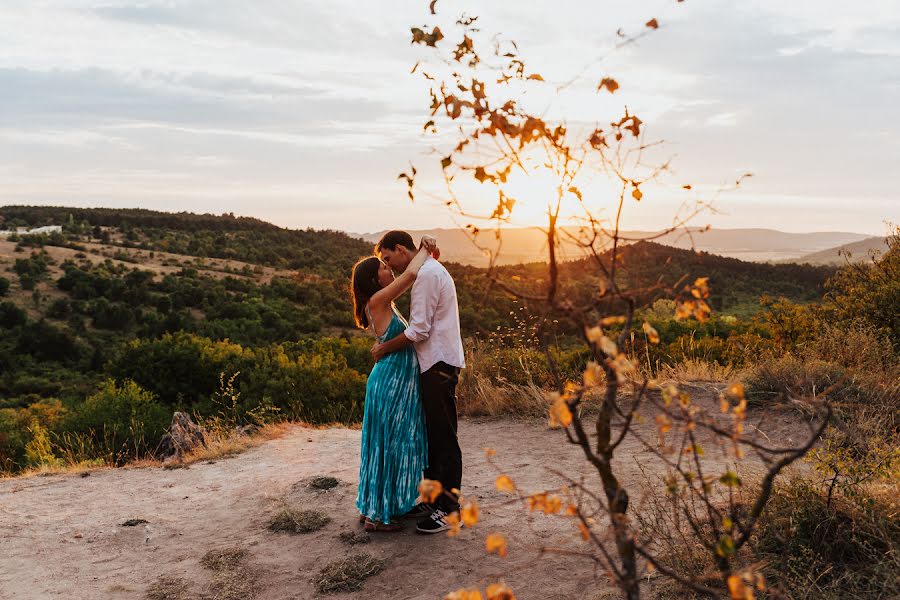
(593, 375)
(652, 24)
(608, 346)
(490, 452)
(498, 591)
(535, 77)
(430, 490)
(464, 594)
(609, 83)
(505, 484)
(454, 522)
(469, 514)
(651, 332)
(594, 335)
(495, 544)
(738, 590)
(637, 194)
(585, 532)
(537, 501)
(622, 366)
(577, 192)
(663, 423)
(723, 405)
(608, 321)
(737, 390)
(560, 414)
(684, 309)
(552, 505)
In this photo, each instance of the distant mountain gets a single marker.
(856, 252)
(529, 244)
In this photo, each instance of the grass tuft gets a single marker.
(348, 574)
(299, 521)
(232, 579)
(323, 482)
(352, 538)
(168, 588)
(223, 559)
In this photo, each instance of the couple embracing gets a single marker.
(409, 423)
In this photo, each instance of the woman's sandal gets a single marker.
(377, 526)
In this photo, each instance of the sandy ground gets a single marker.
(61, 535)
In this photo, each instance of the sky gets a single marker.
(302, 112)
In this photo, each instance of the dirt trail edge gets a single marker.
(62, 536)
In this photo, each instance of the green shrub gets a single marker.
(4, 286)
(123, 421)
(11, 315)
(870, 291)
(184, 370)
(181, 369)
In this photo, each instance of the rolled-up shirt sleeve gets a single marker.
(424, 300)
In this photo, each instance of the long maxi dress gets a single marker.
(394, 449)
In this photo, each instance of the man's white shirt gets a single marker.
(434, 318)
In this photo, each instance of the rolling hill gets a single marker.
(523, 245)
(855, 252)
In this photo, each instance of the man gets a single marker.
(434, 330)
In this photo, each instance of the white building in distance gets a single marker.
(37, 231)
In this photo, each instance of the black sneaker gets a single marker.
(436, 523)
(420, 511)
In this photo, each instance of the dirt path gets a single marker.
(60, 536)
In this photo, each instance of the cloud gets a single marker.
(312, 104)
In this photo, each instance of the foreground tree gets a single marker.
(492, 135)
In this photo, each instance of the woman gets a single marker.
(394, 451)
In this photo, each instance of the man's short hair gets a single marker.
(392, 239)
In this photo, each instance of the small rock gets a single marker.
(184, 435)
(246, 430)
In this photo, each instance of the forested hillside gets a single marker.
(128, 315)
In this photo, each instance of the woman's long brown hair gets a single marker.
(363, 285)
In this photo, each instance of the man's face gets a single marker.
(397, 259)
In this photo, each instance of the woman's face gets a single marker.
(385, 275)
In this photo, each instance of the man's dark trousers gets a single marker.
(444, 456)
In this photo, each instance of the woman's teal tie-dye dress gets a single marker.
(394, 450)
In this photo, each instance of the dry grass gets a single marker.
(483, 396)
(353, 538)
(348, 574)
(224, 558)
(292, 520)
(232, 578)
(846, 550)
(694, 369)
(483, 389)
(58, 469)
(168, 588)
(228, 443)
(323, 482)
